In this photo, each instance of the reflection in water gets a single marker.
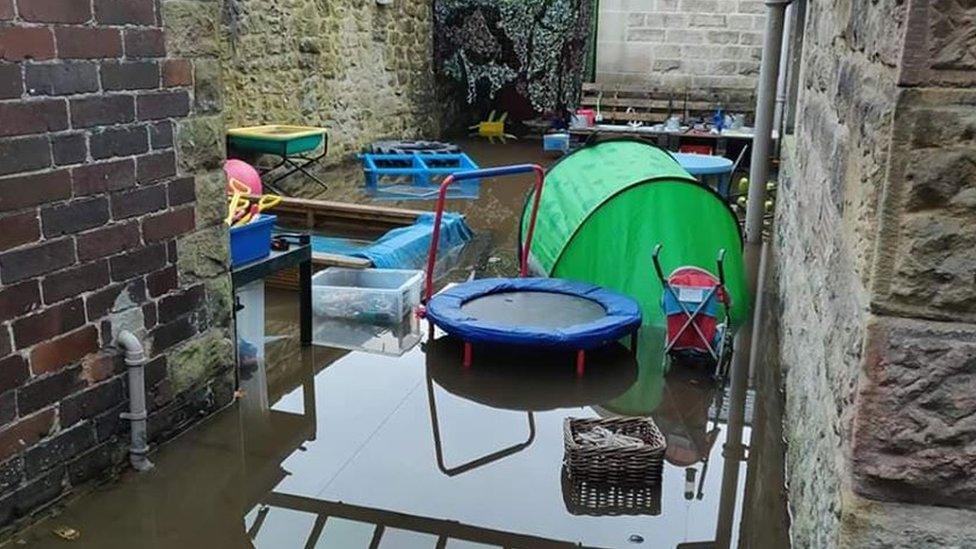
(644, 396)
(474, 463)
(390, 340)
(511, 380)
(346, 449)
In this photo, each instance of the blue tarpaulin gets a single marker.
(338, 245)
(407, 247)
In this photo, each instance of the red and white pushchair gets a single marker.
(697, 307)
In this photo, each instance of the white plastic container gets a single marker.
(390, 339)
(374, 296)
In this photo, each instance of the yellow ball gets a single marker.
(771, 186)
(744, 185)
(742, 201)
(769, 205)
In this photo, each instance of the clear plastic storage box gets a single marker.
(366, 295)
(390, 339)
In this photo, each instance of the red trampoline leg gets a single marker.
(467, 355)
(580, 362)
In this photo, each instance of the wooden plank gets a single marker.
(357, 219)
(675, 103)
(343, 210)
(615, 104)
(635, 96)
(646, 132)
(335, 260)
(594, 88)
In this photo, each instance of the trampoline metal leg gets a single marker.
(633, 343)
(467, 355)
(580, 362)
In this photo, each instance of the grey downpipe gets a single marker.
(135, 361)
(747, 339)
(781, 82)
(734, 450)
(762, 139)
(759, 169)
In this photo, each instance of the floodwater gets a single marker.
(343, 449)
(365, 447)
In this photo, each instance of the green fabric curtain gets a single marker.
(534, 49)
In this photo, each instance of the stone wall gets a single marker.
(110, 201)
(362, 70)
(681, 44)
(875, 232)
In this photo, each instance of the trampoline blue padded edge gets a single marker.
(622, 318)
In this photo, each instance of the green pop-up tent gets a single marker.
(607, 205)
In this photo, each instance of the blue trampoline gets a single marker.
(543, 313)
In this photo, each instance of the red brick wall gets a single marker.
(92, 207)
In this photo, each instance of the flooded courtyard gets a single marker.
(360, 447)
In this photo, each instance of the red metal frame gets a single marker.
(540, 176)
(523, 252)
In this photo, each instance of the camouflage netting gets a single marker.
(538, 48)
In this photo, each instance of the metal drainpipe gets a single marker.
(135, 359)
(762, 139)
(758, 174)
(781, 82)
(755, 209)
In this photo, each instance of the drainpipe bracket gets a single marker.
(778, 2)
(131, 416)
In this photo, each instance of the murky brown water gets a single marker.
(334, 448)
(331, 448)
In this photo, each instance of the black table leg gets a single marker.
(305, 302)
(292, 165)
(296, 167)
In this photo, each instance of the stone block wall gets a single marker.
(681, 44)
(110, 200)
(874, 238)
(362, 70)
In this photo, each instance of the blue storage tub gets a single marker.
(556, 142)
(252, 241)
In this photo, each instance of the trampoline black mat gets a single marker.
(537, 309)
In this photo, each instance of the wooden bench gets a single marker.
(622, 104)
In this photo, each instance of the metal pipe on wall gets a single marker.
(759, 170)
(763, 135)
(782, 82)
(747, 340)
(135, 360)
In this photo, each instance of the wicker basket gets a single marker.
(597, 499)
(615, 466)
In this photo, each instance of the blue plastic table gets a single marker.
(708, 168)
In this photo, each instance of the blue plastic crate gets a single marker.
(416, 175)
(555, 142)
(252, 241)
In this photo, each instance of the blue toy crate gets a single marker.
(558, 142)
(385, 174)
(252, 241)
